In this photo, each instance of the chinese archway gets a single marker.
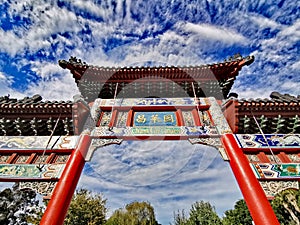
(44, 145)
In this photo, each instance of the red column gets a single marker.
(62, 195)
(256, 200)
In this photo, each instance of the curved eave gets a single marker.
(219, 71)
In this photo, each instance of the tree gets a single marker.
(240, 215)
(286, 206)
(17, 206)
(135, 213)
(86, 209)
(203, 213)
(180, 218)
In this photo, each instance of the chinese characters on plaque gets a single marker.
(155, 119)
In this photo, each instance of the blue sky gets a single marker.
(34, 36)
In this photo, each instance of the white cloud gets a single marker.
(57, 88)
(45, 69)
(10, 43)
(264, 22)
(214, 33)
(170, 175)
(296, 66)
(45, 20)
(5, 89)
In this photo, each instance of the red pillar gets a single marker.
(256, 200)
(62, 195)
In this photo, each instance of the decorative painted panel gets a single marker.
(22, 159)
(274, 140)
(188, 118)
(273, 187)
(61, 159)
(122, 119)
(4, 158)
(41, 187)
(266, 170)
(41, 159)
(252, 157)
(30, 171)
(294, 157)
(105, 118)
(37, 142)
(155, 131)
(150, 102)
(273, 158)
(155, 119)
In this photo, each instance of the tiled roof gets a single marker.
(278, 114)
(101, 81)
(33, 104)
(32, 116)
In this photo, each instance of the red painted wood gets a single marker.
(113, 118)
(63, 192)
(129, 118)
(180, 121)
(256, 200)
(284, 158)
(263, 158)
(196, 117)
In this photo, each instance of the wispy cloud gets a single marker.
(170, 175)
(214, 33)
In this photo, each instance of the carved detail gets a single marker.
(97, 143)
(214, 142)
(44, 188)
(271, 188)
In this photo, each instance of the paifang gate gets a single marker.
(44, 145)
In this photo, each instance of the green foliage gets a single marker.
(86, 209)
(201, 213)
(17, 206)
(135, 213)
(180, 218)
(286, 206)
(240, 215)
